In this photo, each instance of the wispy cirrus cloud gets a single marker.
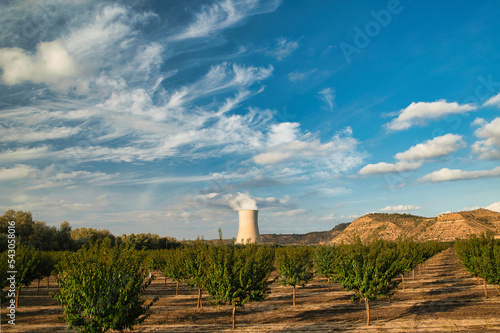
(298, 76)
(328, 96)
(293, 147)
(224, 14)
(283, 48)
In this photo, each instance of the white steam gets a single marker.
(241, 201)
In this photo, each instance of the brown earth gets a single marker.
(442, 298)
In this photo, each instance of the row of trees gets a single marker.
(371, 271)
(49, 238)
(100, 287)
(30, 265)
(481, 257)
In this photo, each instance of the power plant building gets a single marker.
(248, 231)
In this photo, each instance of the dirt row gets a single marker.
(442, 298)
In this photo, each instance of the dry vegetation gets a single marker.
(443, 298)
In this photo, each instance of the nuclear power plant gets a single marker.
(248, 231)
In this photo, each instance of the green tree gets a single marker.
(27, 266)
(87, 236)
(46, 265)
(481, 257)
(24, 224)
(64, 240)
(195, 267)
(101, 288)
(172, 266)
(295, 266)
(324, 261)
(44, 237)
(3, 275)
(368, 270)
(237, 275)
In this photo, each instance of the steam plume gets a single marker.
(241, 201)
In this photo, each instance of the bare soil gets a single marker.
(442, 298)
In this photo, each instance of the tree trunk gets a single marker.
(199, 305)
(293, 295)
(485, 289)
(414, 274)
(403, 280)
(478, 281)
(177, 288)
(165, 281)
(38, 286)
(367, 312)
(18, 291)
(48, 278)
(234, 317)
(329, 285)
(389, 297)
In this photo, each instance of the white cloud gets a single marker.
(446, 174)
(493, 101)
(292, 212)
(336, 190)
(23, 154)
(439, 146)
(399, 208)
(272, 157)
(414, 157)
(383, 167)
(337, 155)
(494, 206)
(29, 135)
(20, 171)
(489, 148)
(282, 133)
(328, 96)
(108, 29)
(50, 64)
(298, 76)
(224, 14)
(421, 112)
(283, 49)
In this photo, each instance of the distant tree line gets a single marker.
(49, 238)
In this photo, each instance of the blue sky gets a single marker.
(167, 116)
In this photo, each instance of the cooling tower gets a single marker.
(249, 227)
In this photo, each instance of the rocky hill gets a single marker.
(316, 237)
(445, 227)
